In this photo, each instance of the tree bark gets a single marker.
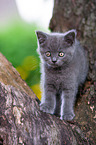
(81, 15)
(21, 121)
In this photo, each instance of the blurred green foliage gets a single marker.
(18, 44)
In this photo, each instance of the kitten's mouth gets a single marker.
(53, 65)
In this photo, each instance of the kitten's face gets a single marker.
(56, 49)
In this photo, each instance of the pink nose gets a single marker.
(54, 60)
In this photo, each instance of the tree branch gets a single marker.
(21, 121)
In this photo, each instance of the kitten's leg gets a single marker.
(48, 101)
(58, 105)
(67, 106)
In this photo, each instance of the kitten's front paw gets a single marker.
(46, 108)
(68, 117)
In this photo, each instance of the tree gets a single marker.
(81, 15)
(21, 121)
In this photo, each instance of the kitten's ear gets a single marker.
(41, 37)
(69, 38)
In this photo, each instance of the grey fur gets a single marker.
(61, 76)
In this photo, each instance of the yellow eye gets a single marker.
(48, 54)
(61, 54)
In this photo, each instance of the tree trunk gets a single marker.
(21, 121)
(81, 15)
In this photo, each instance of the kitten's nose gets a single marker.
(54, 60)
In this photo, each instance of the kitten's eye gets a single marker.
(48, 54)
(61, 54)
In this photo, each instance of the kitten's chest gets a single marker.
(59, 77)
(55, 76)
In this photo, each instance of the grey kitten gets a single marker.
(64, 67)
